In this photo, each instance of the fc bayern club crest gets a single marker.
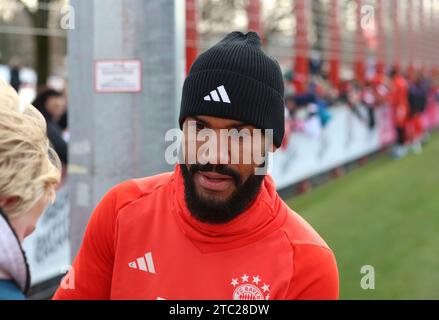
(250, 288)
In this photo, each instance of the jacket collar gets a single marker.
(265, 215)
(12, 257)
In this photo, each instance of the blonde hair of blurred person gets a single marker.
(29, 175)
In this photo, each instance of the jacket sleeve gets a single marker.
(91, 273)
(315, 274)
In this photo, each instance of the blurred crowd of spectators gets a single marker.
(308, 103)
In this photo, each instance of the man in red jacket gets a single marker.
(209, 230)
(400, 110)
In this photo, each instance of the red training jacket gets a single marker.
(142, 243)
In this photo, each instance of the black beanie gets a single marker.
(236, 80)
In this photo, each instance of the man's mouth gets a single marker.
(214, 181)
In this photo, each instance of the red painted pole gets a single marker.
(191, 33)
(359, 47)
(380, 52)
(431, 37)
(421, 36)
(254, 17)
(396, 35)
(301, 60)
(410, 69)
(334, 45)
(433, 34)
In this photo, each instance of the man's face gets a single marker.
(218, 188)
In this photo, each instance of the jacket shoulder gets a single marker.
(315, 272)
(150, 184)
(129, 191)
(300, 232)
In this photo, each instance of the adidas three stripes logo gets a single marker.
(144, 263)
(218, 95)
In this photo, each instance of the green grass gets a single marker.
(385, 214)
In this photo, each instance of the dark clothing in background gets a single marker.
(54, 133)
(63, 122)
(54, 129)
(15, 78)
(417, 98)
(400, 136)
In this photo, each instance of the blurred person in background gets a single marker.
(15, 68)
(369, 100)
(400, 110)
(354, 99)
(418, 95)
(52, 105)
(29, 174)
(63, 122)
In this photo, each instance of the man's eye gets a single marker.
(240, 132)
(200, 126)
(235, 133)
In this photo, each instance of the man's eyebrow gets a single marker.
(200, 121)
(235, 124)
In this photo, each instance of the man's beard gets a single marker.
(219, 211)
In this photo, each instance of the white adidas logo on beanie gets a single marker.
(213, 95)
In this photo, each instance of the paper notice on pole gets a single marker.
(118, 76)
